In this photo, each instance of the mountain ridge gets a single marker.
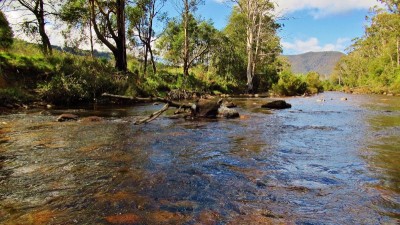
(322, 62)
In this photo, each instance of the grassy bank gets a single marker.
(26, 75)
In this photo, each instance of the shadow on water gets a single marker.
(332, 162)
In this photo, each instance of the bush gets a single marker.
(314, 84)
(78, 79)
(289, 85)
(14, 96)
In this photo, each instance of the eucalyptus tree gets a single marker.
(258, 21)
(142, 20)
(186, 8)
(41, 11)
(76, 14)
(109, 23)
(373, 61)
(252, 28)
(392, 5)
(174, 43)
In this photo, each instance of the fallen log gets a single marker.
(155, 115)
(151, 99)
(202, 108)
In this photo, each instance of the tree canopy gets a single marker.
(374, 59)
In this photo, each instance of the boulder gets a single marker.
(229, 104)
(278, 104)
(67, 117)
(206, 108)
(226, 112)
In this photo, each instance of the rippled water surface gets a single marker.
(331, 162)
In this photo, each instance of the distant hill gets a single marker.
(321, 62)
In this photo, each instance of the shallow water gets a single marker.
(331, 162)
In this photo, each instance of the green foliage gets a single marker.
(14, 96)
(230, 55)
(314, 84)
(6, 33)
(62, 78)
(289, 85)
(373, 62)
(77, 79)
(202, 37)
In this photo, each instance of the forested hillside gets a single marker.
(373, 64)
(320, 62)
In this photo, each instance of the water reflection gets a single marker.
(383, 153)
(318, 163)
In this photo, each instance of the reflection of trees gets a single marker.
(383, 156)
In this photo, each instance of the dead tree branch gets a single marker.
(152, 99)
(153, 116)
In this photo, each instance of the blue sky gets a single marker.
(309, 25)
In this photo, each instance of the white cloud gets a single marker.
(313, 45)
(321, 8)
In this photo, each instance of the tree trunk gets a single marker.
(250, 59)
(186, 43)
(120, 57)
(119, 49)
(152, 60)
(146, 50)
(46, 46)
(150, 34)
(91, 39)
(398, 51)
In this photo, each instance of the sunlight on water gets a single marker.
(332, 162)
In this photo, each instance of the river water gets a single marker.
(321, 162)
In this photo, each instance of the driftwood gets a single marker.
(151, 99)
(201, 108)
(153, 116)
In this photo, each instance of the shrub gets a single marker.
(289, 85)
(314, 84)
(78, 79)
(14, 96)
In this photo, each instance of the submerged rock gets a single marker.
(229, 104)
(278, 104)
(226, 112)
(92, 119)
(67, 117)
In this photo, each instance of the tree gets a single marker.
(187, 8)
(173, 42)
(373, 62)
(392, 5)
(144, 16)
(77, 15)
(252, 30)
(41, 9)
(109, 22)
(6, 33)
(257, 16)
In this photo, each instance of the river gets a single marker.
(320, 162)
